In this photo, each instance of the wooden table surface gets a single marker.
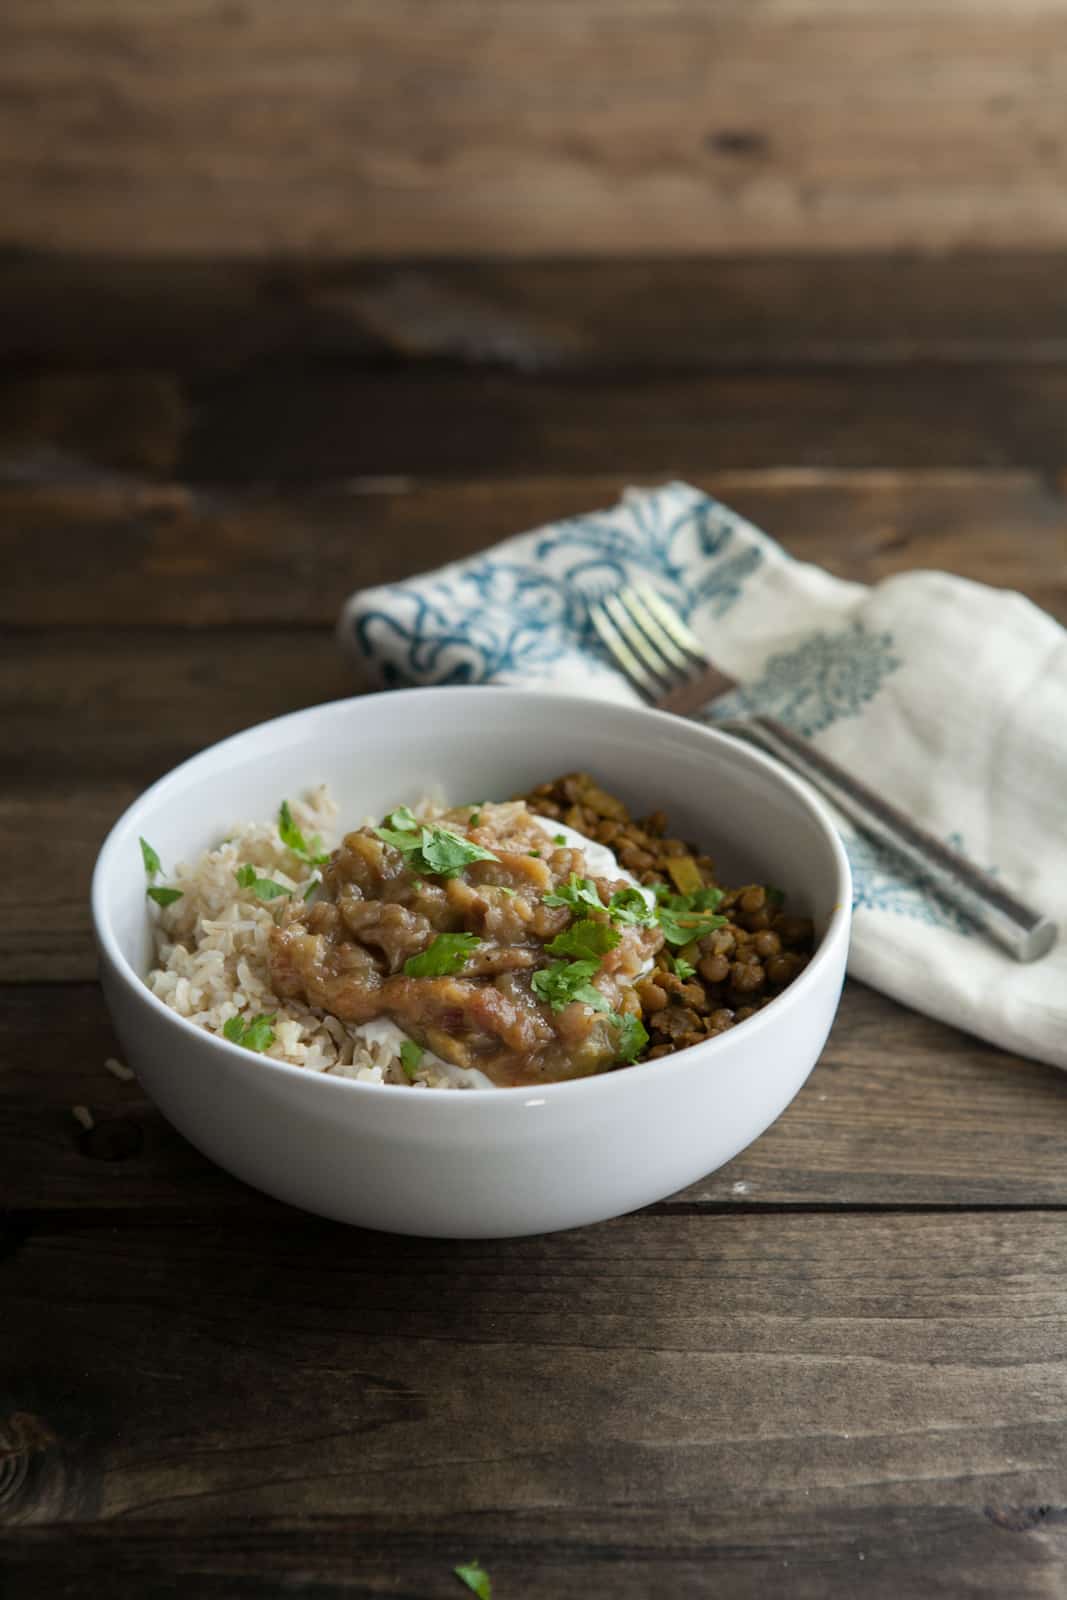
(836, 1367)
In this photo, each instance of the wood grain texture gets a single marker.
(200, 588)
(182, 555)
(270, 427)
(901, 1111)
(291, 425)
(571, 127)
(646, 1406)
(819, 1552)
(205, 317)
(834, 1368)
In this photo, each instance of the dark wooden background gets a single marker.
(297, 299)
(467, 127)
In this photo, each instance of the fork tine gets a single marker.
(655, 631)
(669, 619)
(643, 647)
(642, 680)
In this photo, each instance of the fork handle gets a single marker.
(1025, 933)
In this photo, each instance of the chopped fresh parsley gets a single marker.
(164, 897)
(685, 917)
(294, 840)
(586, 940)
(446, 853)
(576, 893)
(447, 954)
(559, 838)
(633, 1036)
(630, 905)
(511, 893)
(428, 848)
(150, 859)
(474, 1575)
(262, 888)
(536, 853)
(410, 1056)
(565, 981)
(255, 1035)
(403, 819)
(682, 968)
(474, 820)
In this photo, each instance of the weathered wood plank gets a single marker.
(180, 555)
(819, 1552)
(58, 425)
(645, 1406)
(130, 703)
(580, 128)
(291, 425)
(200, 317)
(901, 1111)
(282, 429)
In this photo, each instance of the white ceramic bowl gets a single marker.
(491, 1162)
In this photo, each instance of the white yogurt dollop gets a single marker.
(602, 863)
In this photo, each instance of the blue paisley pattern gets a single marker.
(883, 881)
(829, 676)
(526, 612)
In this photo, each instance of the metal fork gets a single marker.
(667, 665)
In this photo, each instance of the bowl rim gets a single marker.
(663, 1068)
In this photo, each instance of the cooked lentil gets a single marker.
(739, 968)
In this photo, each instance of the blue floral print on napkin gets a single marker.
(827, 677)
(883, 881)
(527, 611)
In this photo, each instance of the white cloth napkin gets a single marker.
(949, 697)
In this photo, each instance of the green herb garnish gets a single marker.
(446, 853)
(150, 859)
(447, 954)
(633, 1036)
(262, 888)
(410, 1056)
(294, 840)
(576, 893)
(474, 820)
(565, 981)
(430, 849)
(255, 1035)
(585, 940)
(536, 853)
(685, 917)
(682, 968)
(630, 905)
(559, 838)
(511, 893)
(163, 897)
(474, 1575)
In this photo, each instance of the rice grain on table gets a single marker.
(212, 945)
